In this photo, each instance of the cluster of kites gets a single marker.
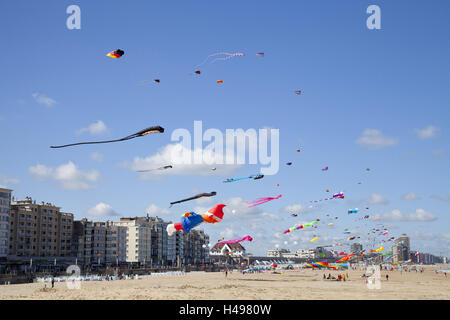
(191, 220)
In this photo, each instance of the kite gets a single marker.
(259, 201)
(312, 240)
(350, 211)
(298, 92)
(246, 238)
(221, 239)
(161, 168)
(116, 54)
(325, 169)
(331, 224)
(327, 190)
(260, 54)
(367, 169)
(219, 81)
(289, 163)
(190, 220)
(346, 258)
(197, 72)
(213, 169)
(157, 80)
(351, 238)
(198, 196)
(254, 177)
(310, 224)
(294, 214)
(339, 195)
(225, 55)
(156, 129)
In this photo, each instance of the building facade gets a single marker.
(5, 217)
(196, 247)
(39, 230)
(401, 248)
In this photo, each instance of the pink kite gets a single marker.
(246, 238)
(259, 201)
(325, 169)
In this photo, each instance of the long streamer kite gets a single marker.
(302, 226)
(225, 56)
(160, 168)
(246, 238)
(339, 195)
(259, 201)
(254, 177)
(156, 129)
(198, 196)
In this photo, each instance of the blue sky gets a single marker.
(389, 87)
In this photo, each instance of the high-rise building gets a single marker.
(356, 248)
(39, 230)
(116, 243)
(401, 248)
(5, 217)
(99, 242)
(196, 247)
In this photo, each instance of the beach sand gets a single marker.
(291, 285)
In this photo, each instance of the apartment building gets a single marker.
(5, 212)
(196, 247)
(99, 242)
(39, 230)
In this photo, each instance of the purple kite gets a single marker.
(325, 169)
(259, 201)
(246, 238)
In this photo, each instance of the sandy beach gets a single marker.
(291, 285)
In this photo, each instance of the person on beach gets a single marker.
(226, 273)
(53, 282)
(387, 277)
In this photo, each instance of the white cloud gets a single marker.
(68, 176)
(410, 196)
(177, 156)
(96, 129)
(419, 216)
(445, 198)
(43, 99)
(228, 234)
(427, 133)
(102, 210)
(373, 139)
(376, 198)
(296, 208)
(154, 210)
(8, 180)
(96, 156)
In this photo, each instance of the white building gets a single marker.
(232, 249)
(277, 253)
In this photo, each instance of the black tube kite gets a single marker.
(198, 196)
(161, 168)
(156, 129)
